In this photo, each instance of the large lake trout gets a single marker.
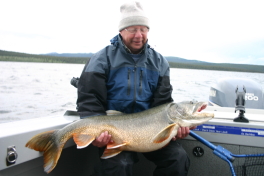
(145, 131)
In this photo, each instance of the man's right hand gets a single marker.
(102, 140)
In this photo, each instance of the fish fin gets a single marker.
(82, 140)
(164, 134)
(114, 145)
(113, 112)
(46, 142)
(109, 153)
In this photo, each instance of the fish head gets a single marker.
(188, 113)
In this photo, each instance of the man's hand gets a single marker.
(183, 132)
(102, 140)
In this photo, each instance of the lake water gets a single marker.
(32, 90)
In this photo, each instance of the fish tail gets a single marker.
(47, 143)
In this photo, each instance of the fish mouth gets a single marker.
(199, 107)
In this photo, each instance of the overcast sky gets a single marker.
(221, 31)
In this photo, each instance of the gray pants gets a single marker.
(170, 160)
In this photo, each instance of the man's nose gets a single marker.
(138, 34)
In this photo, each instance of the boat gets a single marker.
(238, 127)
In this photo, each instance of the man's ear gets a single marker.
(120, 32)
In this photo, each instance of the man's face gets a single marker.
(134, 37)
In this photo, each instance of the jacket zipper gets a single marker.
(128, 83)
(135, 87)
(140, 82)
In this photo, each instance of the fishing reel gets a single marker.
(240, 106)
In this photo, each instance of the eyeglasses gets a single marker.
(134, 30)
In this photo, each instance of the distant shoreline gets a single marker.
(172, 65)
(173, 61)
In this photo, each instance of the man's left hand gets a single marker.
(183, 132)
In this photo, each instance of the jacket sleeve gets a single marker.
(164, 89)
(92, 93)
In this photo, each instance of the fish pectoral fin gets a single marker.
(114, 145)
(109, 153)
(82, 140)
(164, 134)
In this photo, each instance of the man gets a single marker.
(129, 76)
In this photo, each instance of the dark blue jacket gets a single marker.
(112, 80)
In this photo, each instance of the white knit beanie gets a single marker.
(132, 14)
